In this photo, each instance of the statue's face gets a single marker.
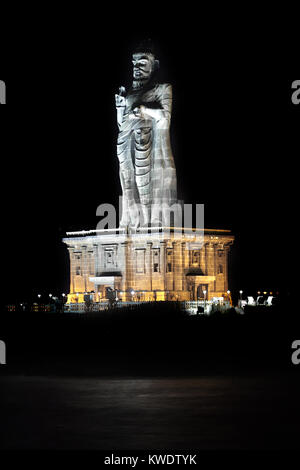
(143, 65)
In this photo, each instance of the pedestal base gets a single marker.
(149, 265)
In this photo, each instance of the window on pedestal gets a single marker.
(169, 261)
(156, 261)
(140, 261)
(78, 271)
(220, 269)
(195, 257)
(90, 262)
(110, 258)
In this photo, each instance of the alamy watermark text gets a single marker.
(296, 93)
(2, 92)
(2, 352)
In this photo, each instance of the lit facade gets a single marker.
(166, 265)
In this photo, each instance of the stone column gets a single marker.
(183, 265)
(149, 264)
(173, 265)
(226, 251)
(84, 266)
(71, 256)
(215, 266)
(96, 261)
(177, 267)
(163, 263)
(129, 263)
(202, 259)
(210, 266)
(189, 256)
(210, 262)
(195, 286)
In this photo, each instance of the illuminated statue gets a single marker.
(147, 170)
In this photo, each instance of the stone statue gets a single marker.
(147, 170)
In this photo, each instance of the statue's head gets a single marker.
(144, 62)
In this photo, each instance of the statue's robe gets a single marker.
(147, 169)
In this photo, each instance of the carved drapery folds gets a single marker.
(147, 169)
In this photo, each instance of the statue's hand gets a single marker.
(139, 111)
(120, 101)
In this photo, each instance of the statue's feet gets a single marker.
(134, 215)
(124, 222)
(145, 216)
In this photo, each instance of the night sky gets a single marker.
(233, 137)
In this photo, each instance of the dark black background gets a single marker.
(234, 137)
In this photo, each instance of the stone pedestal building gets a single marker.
(147, 266)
